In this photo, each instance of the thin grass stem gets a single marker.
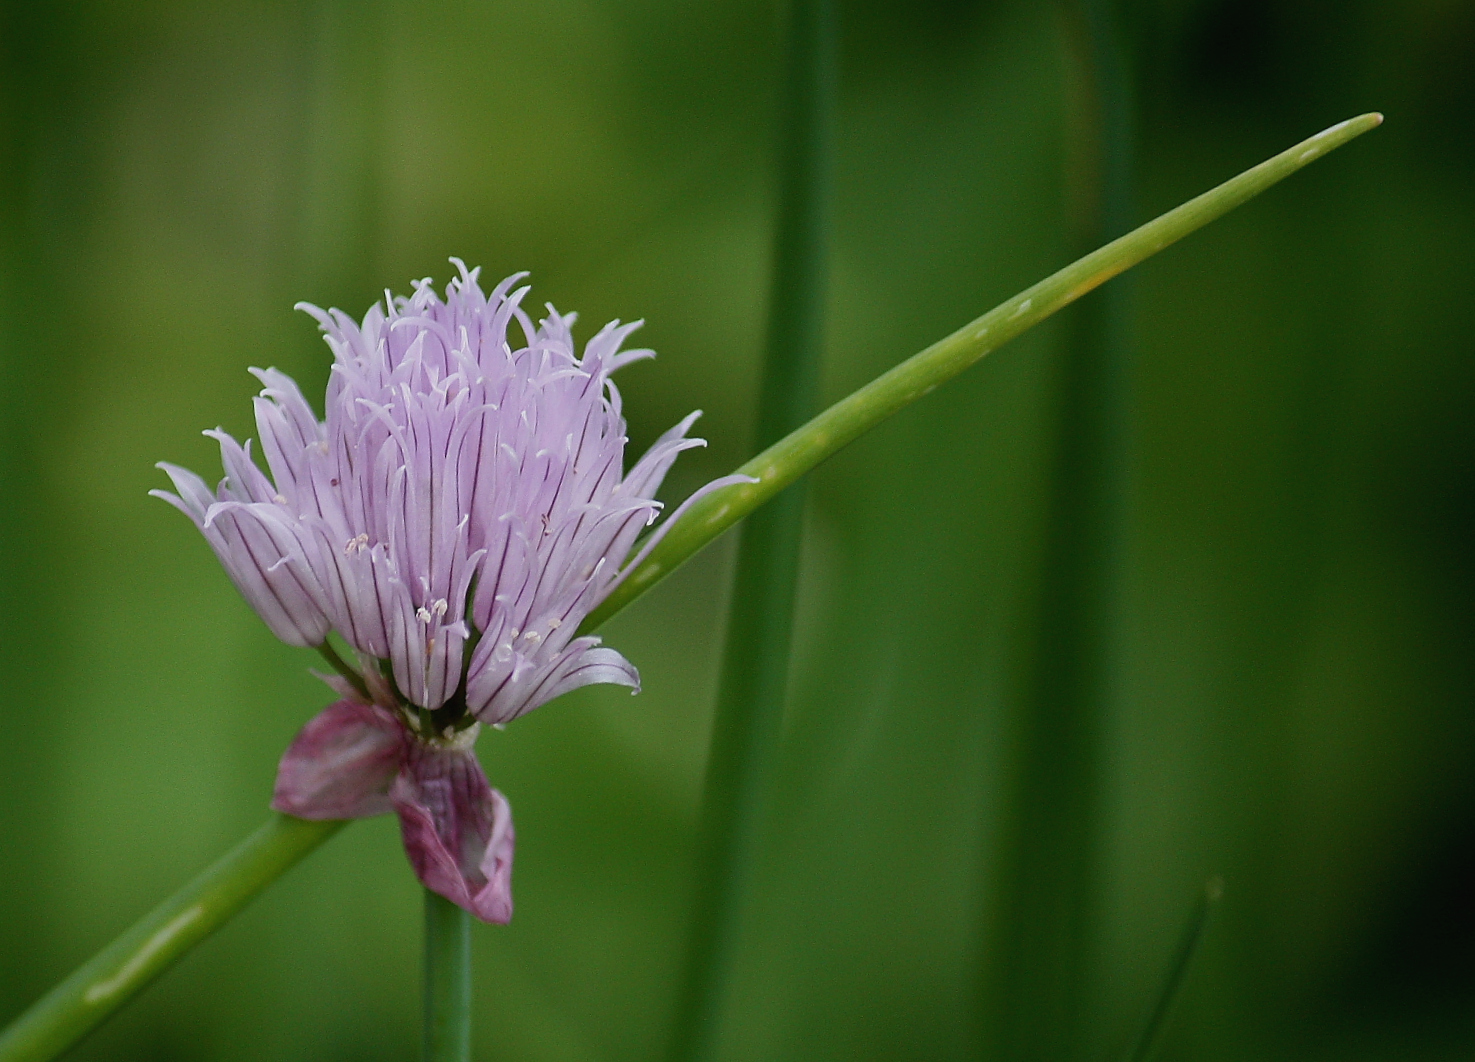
(344, 668)
(755, 666)
(1153, 1028)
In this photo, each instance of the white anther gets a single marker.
(279, 499)
(356, 544)
(555, 623)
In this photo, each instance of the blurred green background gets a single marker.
(1293, 704)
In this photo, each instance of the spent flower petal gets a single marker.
(457, 513)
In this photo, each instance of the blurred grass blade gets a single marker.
(755, 665)
(447, 981)
(1162, 1008)
(788, 459)
(1038, 1000)
(114, 975)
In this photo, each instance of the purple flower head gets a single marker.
(454, 518)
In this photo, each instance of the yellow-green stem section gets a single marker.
(798, 452)
(114, 975)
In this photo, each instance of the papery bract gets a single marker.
(342, 763)
(355, 760)
(457, 829)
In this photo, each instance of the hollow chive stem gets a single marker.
(447, 981)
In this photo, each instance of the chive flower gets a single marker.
(459, 512)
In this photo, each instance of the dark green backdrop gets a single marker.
(1294, 697)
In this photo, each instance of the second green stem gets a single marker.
(755, 663)
(1045, 868)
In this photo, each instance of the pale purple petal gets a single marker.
(501, 695)
(341, 764)
(261, 551)
(645, 478)
(243, 482)
(292, 442)
(457, 830)
(194, 498)
(361, 589)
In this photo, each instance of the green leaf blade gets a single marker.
(795, 454)
(131, 962)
